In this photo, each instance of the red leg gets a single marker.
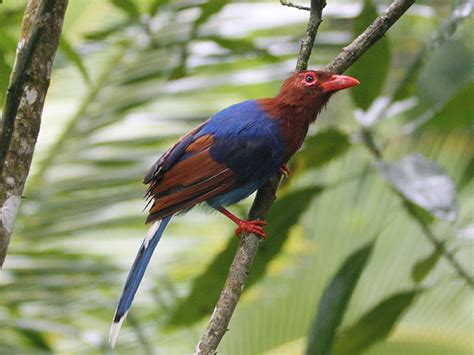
(255, 227)
(285, 171)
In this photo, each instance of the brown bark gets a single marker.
(23, 107)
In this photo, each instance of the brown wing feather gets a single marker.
(194, 178)
(168, 157)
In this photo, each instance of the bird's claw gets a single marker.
(255, 227)
(285, 171)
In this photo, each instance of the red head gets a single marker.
(313, 87)
(301, 98)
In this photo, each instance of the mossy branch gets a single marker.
(23, 106)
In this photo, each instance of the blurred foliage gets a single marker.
(334, 301)
(132, 76)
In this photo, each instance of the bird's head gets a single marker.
(313, 87)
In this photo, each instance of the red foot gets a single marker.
(285, 171)
(251, 227)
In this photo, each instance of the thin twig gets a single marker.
(315, 19)
(371, 35)
(23, 107)
(439, 245)
(296, 6)
(248, 246)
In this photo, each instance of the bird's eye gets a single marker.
(309, 78)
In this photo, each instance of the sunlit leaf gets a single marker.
(375, 325)
(422, 182)
(206, 288)
(74, 57)
(334, 301)
(372, 68)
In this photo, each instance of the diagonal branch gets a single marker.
(248, 247)
(21, 118)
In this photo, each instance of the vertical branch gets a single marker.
(21, 117)
(248, 246)
(315, 19)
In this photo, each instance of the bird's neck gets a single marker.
(294, 117)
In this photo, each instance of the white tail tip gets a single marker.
(151, 232)
(115, 330)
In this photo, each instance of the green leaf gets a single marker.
(323, 147)
(208, 9)
(334, 301)
(372, 68)
(423, 183)
(375, 325)
(74, 57)
(467, 175)
(423, 267)
(155, 5)
(206, 288)
(408, 86)
(457, 112)
(238, 45)
(36, 339)
(102, 34)
(418, 212)
(129, 7)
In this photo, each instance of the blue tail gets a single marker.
(136, 274)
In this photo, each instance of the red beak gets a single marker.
(339, 82)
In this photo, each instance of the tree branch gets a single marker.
(296, 6)
(21, 118)
(248, 247)
(372, 34)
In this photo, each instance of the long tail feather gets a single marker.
(135, 276)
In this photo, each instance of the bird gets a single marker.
(226, 159)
